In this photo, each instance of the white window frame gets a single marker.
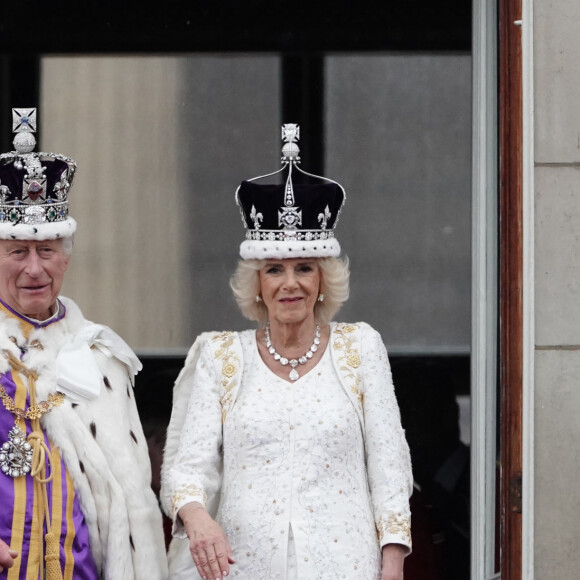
(484, 290)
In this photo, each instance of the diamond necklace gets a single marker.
(294, 362)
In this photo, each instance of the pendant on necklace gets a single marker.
(294, 375)
(16, 454)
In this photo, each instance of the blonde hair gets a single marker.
(334, 284)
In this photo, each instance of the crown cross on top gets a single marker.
(290, 151)
(24, 120)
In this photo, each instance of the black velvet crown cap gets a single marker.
(285, 224)
(291, 220)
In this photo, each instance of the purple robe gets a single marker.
(18, 523)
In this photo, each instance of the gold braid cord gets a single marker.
(41, 453)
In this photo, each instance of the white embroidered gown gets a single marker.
(295, 501)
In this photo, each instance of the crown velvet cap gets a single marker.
(34, 187)
(300, 227)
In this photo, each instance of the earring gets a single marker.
(258, 299)
(321, 298)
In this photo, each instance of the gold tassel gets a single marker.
(52, 557)
(41, 453)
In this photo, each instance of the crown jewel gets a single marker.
(291, 219)
(33, 186)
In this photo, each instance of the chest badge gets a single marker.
(16, 454)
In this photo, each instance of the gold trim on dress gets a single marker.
(186, 492)
(394, 525)
(349, 358)
(230, 365)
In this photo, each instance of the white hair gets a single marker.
(334, 284)
(67, 244)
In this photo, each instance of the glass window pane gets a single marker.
(161, 144)
(398, 136)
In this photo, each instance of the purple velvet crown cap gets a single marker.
(34, 187)
(13, 179)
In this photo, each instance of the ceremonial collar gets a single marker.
(58, 315)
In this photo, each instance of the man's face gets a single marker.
(31, 275)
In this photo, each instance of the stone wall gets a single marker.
(557, 287)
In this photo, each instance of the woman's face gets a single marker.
(290, 288)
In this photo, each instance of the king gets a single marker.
(74, 465)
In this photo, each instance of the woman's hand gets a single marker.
(393, 561)
(6, 556)
(208, 543)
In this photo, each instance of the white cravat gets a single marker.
(77, 373)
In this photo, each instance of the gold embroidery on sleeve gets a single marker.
(349, 357)
(230, 364)
(395, 524)
(185, 492)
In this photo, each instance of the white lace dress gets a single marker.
(295, 500)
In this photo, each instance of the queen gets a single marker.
(285, 454)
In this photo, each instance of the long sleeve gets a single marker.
(195, 472)
(387, 453)
(105, 451)
(132, 470)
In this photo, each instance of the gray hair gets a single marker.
(334, 284)
(67, 245)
